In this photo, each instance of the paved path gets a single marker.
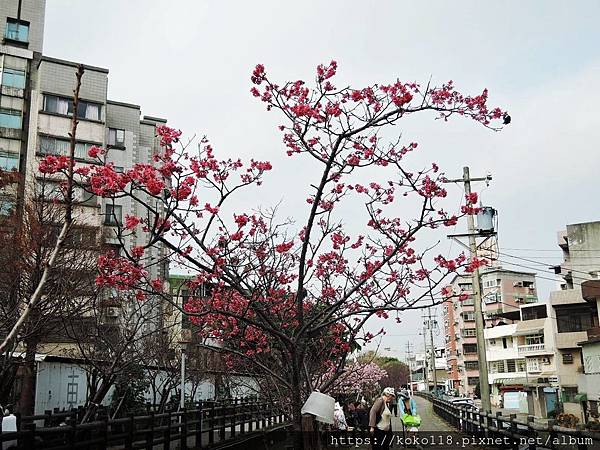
(430, 421)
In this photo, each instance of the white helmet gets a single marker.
(389, 391)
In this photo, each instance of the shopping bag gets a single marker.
(411, 421)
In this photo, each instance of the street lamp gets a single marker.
(186, 337)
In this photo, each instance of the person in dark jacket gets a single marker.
(380, 420)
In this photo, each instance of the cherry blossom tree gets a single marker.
(292, 299)
(356, 378)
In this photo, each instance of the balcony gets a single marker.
(531, 349)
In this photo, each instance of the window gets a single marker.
(491, 283)
(497, 366)
(593, 408)
(528, 284)
(534, 339)
(10, 118)
(7, 205)
(471, 365)
(116, 137)
(72, 393)
(468, 316)
(17, 30)
(54, 146)
(511, 366)
(82, 238)
(469, 348)
(465, 286)
(64, 106)
(520, 365)
(85, 198)
(114, 215)
(9, 161)
(49, 190)
(58, 105)
(470, 301)
(13, 78)
(504, 343)
(568, 394)
(88, 110)
(571, 319)
(533, 365)
(473, 381)
(468, 332)
(492, 341)
(567, 358)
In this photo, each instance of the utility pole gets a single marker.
(484, 385)
(430, 325)
(425, 374)
(409, 361)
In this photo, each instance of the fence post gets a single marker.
(232, 417)
(513, 431)
(581, 445)
(105, 432)
(551, 424)
(72, 430)
(183, 431)
(129, 425)
(530, 429)
(211, 432)
(199, 414)
(167, 433)
(29, 439)
(222, 424)
(150, 433)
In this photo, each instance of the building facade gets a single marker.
(502, 291)
(36, 109)
(577, 307)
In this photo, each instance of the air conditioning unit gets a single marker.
(112, 312)
(545, 360)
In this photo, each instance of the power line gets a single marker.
(551, 250)
(539, 262)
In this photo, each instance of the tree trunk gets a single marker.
(296, 404)
(7, 379)
(29, 377)
(97, 400)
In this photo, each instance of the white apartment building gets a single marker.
(522, 359)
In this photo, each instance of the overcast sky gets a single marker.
(190, 62)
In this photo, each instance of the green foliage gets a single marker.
(130, 387)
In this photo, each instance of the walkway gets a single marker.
(430, 421)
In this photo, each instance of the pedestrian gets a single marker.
(339, 418)
(352, 416)
(362, 415)
(408, 412)
(394, 406)
(380, 420)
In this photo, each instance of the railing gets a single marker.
(531, 348)
(497, 429)
(207, 423)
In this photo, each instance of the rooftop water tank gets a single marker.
(485, 219)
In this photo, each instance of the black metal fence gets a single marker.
(207, 423)
(499, 429)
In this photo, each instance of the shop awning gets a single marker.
(581, 397)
